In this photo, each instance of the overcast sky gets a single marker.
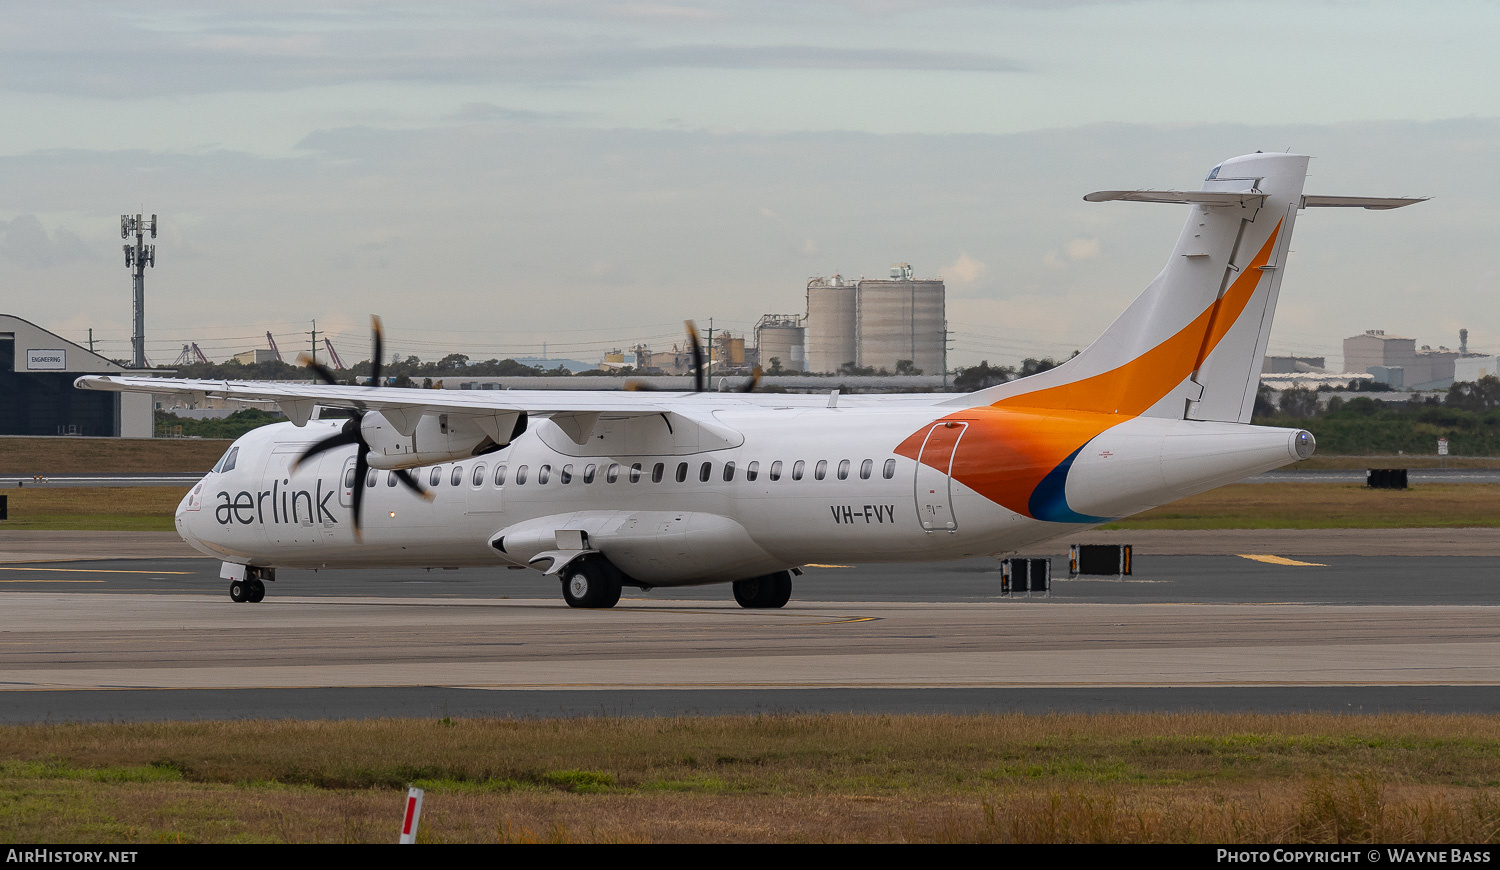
(490, 176)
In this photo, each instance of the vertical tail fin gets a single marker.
(1190, 346)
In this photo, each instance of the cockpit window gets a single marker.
(1213, 173)
(227, 463)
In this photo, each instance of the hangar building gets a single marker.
(37, 370)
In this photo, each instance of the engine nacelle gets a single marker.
(407, 439)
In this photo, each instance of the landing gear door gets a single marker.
(934, 476)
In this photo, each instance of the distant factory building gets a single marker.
(781, 342)
(1286, 365)
(1468, 369)
(876, 322)
(258, 355)
(1397, 361)
(37, 370)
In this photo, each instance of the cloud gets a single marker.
(25, 242)
(964, 270)
(90, 52)
(1082, 248)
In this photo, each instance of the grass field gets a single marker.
(1105, 778)
(102, 509)
(107, 455)
(1327, 506)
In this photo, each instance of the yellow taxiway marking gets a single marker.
(51, 581)
(828, 566)
(1281, 560)
(92, 571)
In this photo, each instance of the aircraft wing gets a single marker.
(297, 400)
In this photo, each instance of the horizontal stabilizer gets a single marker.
(1370, 202)
(1251, 198)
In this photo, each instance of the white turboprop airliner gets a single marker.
(673, 489)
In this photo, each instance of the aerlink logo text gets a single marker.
(1353, 856)
(287, 506)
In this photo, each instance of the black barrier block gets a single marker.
(1385, 478)
(1025, 575)
(1100, 560)
(4, 507)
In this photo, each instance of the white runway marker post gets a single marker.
(413, 814)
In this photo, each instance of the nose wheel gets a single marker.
(249, 589)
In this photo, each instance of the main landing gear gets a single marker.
(249, 585)
(591, 582)
(767, 591)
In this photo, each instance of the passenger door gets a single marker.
(934, 479)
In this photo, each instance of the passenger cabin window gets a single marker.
(821, 471)
(457, 479)
(865, 468)
(543, 475)
(613, 474)
(478, 478)
(752, 471)
(705, 471)
(658, 471)
(437, 477)
(390, 478)
(728, 471)
(843, 469)
(635, 473)
(890, 469)
(588, 472)
(776, 470)
(349, 478)
(797, 468)
(681, 472)
(521, 476)
(370, 477)
(500, 475)
(567, 474)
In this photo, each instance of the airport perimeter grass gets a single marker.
(69, 455)
(1104, 778)
(95, 509)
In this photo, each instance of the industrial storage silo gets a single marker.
(781, 337)
(901, 319)
(830, 324)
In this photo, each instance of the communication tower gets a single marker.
(137, 258)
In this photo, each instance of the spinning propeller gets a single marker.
(350, 432)
(700, 371)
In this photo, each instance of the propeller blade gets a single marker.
(379, 342)
(361, 471)
(347, 434)
(409, 480)
(700, 377)
(322, 371)
(754, 381)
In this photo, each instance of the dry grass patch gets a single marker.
(1013, 778)
(22, 455)
(106, 508)
(1327, 506)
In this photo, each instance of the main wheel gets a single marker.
(590, 583)
(767, 591)
(239, 591)
(257, 592)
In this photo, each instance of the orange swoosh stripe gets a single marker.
(1014, 443)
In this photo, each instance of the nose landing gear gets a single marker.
(246, 584)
